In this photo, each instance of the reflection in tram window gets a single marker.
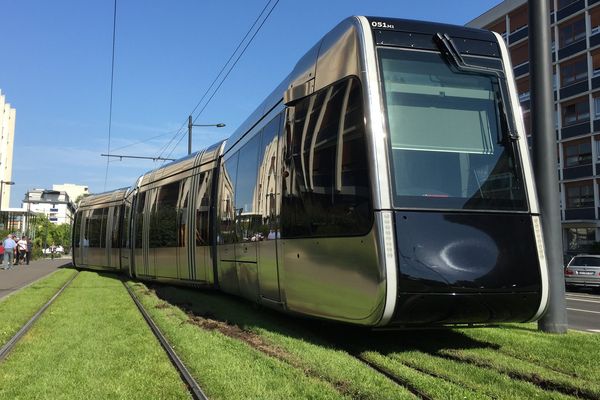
(449, 136)
(94, 227)
(326, 182)
(267, 181)
(163, 219)
(103, 220)
(183, 211)
(247, 217)
(77, 230)
(227, 206)
(203, 209)
(115, 227)
(139, 219)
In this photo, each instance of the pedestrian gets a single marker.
(22, 250)
(29, 249)
(1, 253)
(9, 248)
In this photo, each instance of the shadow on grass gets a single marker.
(248, 316)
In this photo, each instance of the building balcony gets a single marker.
(571, 49)
(580, 128)
(579, 171)
(519, 34)
(570, 9)
(580, 213)
(521, 69)
(574, 89)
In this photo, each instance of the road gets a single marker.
(14, 279)
(583, 310)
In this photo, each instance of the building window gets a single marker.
(580, 238)
(518, 19)
(572, 32)
(519, 54)
(573, 71)
(576, 111)
(595, 20)
(580, 195)
(597, 107)
(578, 153)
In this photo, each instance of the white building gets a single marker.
(8, 116)
(56, 205)
(73, 190)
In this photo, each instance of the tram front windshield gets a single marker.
(448, 132)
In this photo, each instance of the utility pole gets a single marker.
(544, 162)
(191, 125)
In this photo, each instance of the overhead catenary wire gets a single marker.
(112, 81)
(180, 130)
(180, 134)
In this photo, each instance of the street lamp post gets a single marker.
(2, 183)
(190, 125)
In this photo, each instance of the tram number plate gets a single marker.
(585, 272)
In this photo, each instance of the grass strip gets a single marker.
(281, 339)
(527, 371)
(298, 342)
(427, 385)
(229, 368)
(91, 343)
(574, 354)
(17, 308)
(480, 380)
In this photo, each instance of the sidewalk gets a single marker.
(21, 275)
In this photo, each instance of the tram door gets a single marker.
(183, 242)
(267, 211)
(201, 237)
(85, 243)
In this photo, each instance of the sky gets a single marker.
(55, 70)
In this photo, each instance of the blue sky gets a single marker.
(55, 66)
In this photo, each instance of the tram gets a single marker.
(386, 182)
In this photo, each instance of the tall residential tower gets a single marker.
(8, 116)
(575, 33)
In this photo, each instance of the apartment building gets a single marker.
(575, 33)
(56, 205)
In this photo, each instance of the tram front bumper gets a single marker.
(465, 268)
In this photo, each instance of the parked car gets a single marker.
(584, 271)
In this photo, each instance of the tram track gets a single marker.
(7, 348)
(191, 384)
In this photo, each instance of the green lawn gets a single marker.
(17, 308)
(92, 343)
(512, 361)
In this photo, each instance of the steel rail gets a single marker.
(5, 350)
(190, 382)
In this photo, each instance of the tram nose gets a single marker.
(457, 267)
(466, 252)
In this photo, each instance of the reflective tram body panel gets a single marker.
(384, 182)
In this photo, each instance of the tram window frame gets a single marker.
(482, 175)
(77, 230)
(139, 220)
(334, 198)
(226, 211)
(203, 213)
(163, 230)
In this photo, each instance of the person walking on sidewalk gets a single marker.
(22, 250)
(9, 248)
(29, 249)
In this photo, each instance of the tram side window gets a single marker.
(227, 207)
(103, 221)
(182, 211)
(247, 217)
(163, 219)
(95, 227)
(115, 227)
(326, 188)
(203, 209)
(139, 219)
(77, 230)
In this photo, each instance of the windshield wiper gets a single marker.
(453, 56)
